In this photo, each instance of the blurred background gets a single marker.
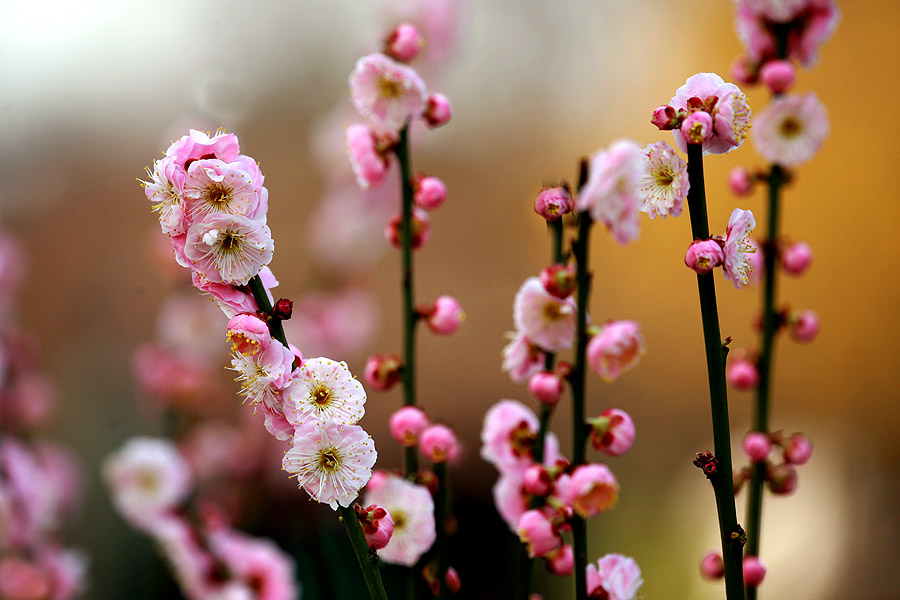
(91, 92)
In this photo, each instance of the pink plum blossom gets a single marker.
(803, 325)
(439, 444)
(546, 387)
(387, 93)
(796, 258)
(166, 189)
(611, 194)
(712, 567)
(369, 155)
(697, 127)
(724, 102)
(257, 563)
(264, 375)
(554, 202)
(429, 192)
(561, 561)
(521, 358)
(412, 511)
(810, 23)
(544, 319)
(248, 334)
(704, 255)
(197, 145)
(322, 388)
(444, 315)
(664, 183)
(407, 424)
(437, 111)
(615, 577)
(377, 525)
(383, 371)
(147, 477)
(404, 43)
(234, 300)
(616, 349)
(791, 129)
(331, 462)
(591, 489)
(213, 186)
(736, 248)
(612, 433)
(798, 449)
(228, 248)
(538, 533)
(508, 435)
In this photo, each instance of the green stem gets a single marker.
(368, 561)
(577, 381)
(410, 315)
(722, 481)
(262, 301)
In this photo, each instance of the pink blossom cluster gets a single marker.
(781, 477)
(153, 488)
(40, 480)
(538, 499)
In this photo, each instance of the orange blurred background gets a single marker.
(91, 93)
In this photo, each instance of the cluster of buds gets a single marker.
(781, 477)
(153, 488)
(40, 480)
(712, 568)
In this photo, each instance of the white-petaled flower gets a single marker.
(147, 477)
(738, 247)
(331, 462)
(521, 358)
(412, 509)
(263, 375)
(664, 184)
(386, 92)
(213, 186)
(791, 129)
(544, 319)
(228, 248)
(611, 192)
(324, 389)
(166, 190)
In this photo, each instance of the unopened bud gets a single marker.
(283, 309)
(778, 75)
(383, 371)
(437, 111)
(554, 202)
(559, 280)
(429, 192)
(404, 43)
(796, 258)
(697, 128)
(704, 255)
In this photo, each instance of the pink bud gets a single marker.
(744, 70)
(613, 432)
(439, 444)
(546, 387)
(743, 374)
(561, 561)
(421, 229)
(665, 118)
(404, 43)
(453, 581)
(754, 571)
(537, 532)
(406, 424)
(803, 325)
(377, 525)
(383, 371)
(559, 280)
(782, 479)
(704, 255)
(757, 446)
(712, 567)
(591, 490)
(798, 449)
(778, 75)
(248, 334)
(698, 127)
(537, 481)
(741, 181)
(437, 111)
(616, 349)
(444, 316)
(22, 580)
(553, 202)
(796, 258)
(429, 192)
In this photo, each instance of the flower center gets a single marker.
(219, 196)
(320, 395)
(790, 127)
(399, 519)
(230, 243)
(521, 439)
(388, 88)
(664, 177)
(329, 460)
(551, 311)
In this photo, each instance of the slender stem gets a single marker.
(722, 481)
(441, 511)
(368, 561)
(410, 315)
(577, 381)
(767, 347)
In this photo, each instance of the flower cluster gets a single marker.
(40, 481)
(152, 486)
(732, 252)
